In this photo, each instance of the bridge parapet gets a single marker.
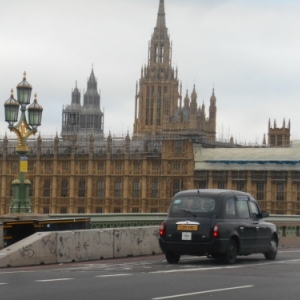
(288, 225)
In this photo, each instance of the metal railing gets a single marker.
(288, 225)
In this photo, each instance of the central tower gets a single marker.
(158, 96)
(158, 99)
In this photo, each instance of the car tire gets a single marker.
(229, 256)
(172, 258)
(271, 254)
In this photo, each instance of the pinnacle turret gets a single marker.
(161, 16)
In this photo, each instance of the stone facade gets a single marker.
(100, 176)
(279, 137)
(141, 176)
(271, 175)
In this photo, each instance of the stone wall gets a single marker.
(81, 245)
(94, 244)
(1, 236)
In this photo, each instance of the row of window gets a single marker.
(98, 210)
(118, 165)
(242, 175)
(260, 192)
(153, 188)
(99, 188)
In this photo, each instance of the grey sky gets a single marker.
(247, 50)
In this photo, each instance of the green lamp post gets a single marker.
(20, 202)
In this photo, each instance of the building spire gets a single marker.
(161, 19)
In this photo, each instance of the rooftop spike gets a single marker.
(161, 19)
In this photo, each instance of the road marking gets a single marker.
(16, 272)
(2, 283)
(57, 279)
(198, 269)
(113, 275)
(226, 267)
(288, 251)
(288, 261)
(205, 292)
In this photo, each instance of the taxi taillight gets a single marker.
(162, 229)
(216, 231)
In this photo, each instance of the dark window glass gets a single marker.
(47, 188)
(243, 210)
(230, 210)
(64, 188)
(81, 189)
(254, 209)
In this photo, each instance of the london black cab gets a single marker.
(218, 224)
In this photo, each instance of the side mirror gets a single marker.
(264, 214)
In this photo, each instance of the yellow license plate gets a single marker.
(187, 227)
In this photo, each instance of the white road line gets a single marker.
(204, 292)
(288, 261)
(2, 283)
(226, 267)
(288, 251)
(195, 269)
(16, 272)
(57, 279)
(113, 275)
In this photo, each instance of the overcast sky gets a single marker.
(249, 51)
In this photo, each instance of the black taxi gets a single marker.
(216, 223)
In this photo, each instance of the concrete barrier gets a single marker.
(84, 245)
(30, 251)
(1, 237)
(93, 244)
(135, 241)
(80, 245)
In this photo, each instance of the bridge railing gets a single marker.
(288, 225)
(119, 219)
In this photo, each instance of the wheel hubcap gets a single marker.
(273, 247)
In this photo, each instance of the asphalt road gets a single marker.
(151, 277)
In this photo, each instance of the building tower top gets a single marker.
(161, 16)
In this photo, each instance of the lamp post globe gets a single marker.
(11, 109)
(35, 114)
(24, 92)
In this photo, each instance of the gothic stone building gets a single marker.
(139, 176)
(173, 147)
(158, 102)
(99, 176)
(86, 119)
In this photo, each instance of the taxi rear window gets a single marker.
(193, 204)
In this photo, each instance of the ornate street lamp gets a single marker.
(20, 202)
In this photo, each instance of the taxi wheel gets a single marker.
(231, 252)
(172, 258)
(271, 255)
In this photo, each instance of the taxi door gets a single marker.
(247, 228)
(263, 231)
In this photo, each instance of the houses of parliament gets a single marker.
(173, 147)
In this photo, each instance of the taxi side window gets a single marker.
(243, 209)
(254, 210)
(230, 211)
